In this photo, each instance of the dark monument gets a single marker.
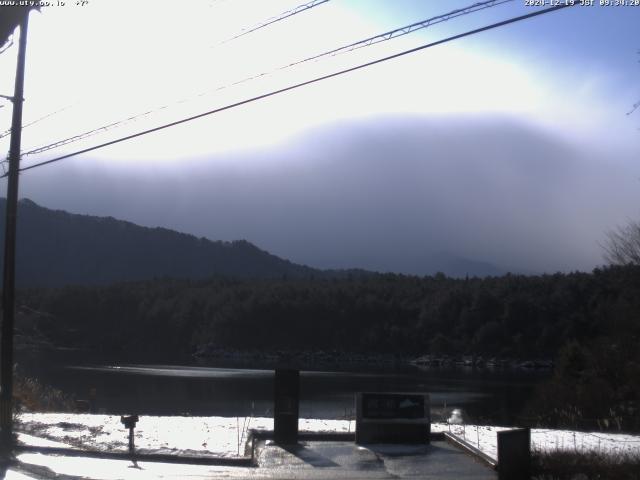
(286, 406)
(514, 454)
(392, 418)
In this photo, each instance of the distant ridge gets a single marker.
(57, 248)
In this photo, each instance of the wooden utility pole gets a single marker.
(9, 274)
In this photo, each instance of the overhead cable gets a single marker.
(277, 18)
(303, 84)
(336, 51)
(399, 32)
(37, 120)
(81, 136)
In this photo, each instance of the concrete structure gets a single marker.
(514, 454)
(286, 406)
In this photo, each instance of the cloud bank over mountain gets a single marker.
(389, 193)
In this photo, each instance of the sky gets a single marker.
(511, 147)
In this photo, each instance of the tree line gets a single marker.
(509, 316)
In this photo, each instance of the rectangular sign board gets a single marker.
(381, 405)
(392, 418)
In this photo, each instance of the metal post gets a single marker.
(9, 274)
(132, 447)
(130, 423)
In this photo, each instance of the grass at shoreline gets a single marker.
(34, 396)
(567, 465)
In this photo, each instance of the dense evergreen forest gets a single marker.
(509, 316)
(589, 323)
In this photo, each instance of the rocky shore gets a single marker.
(302, 359)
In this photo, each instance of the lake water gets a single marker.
(155, 389)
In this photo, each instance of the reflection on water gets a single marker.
(173, 370)
(160, 389)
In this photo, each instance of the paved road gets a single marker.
(313, 460)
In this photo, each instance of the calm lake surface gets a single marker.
(214, 390)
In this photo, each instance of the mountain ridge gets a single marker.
(57, 248)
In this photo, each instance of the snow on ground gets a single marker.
(485, 439)
(12, 475)
(195, 435)
(226, 436)
(64, 467)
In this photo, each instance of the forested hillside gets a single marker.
(58, 248)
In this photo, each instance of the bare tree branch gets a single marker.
(622, 246)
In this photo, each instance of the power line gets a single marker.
(7, 45)
(81, 136)
(91, 133)
(277, 18)
(37, 120)
(399, 32)
(303, 84)
(336, 51)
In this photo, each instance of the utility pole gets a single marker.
(9, 274)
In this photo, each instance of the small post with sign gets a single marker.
(130, 423)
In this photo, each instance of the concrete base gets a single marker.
(398, 433)
(311, 460)
(327, 460)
